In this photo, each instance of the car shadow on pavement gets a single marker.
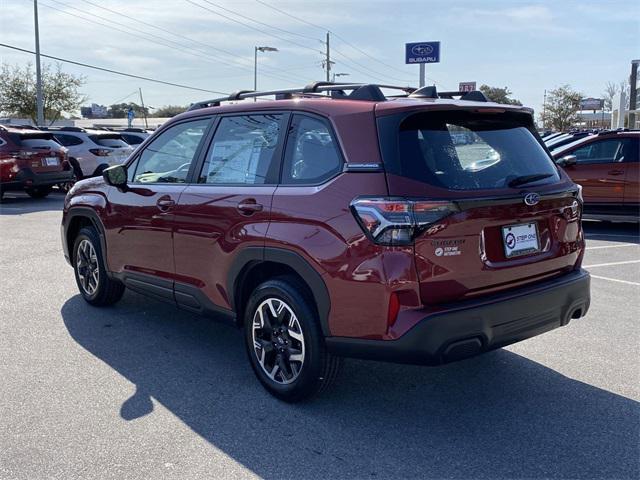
(499, 415)
(612, 232)
(18, 203)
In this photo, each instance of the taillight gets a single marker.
(397, 221)
(100, 152)
(22, 154)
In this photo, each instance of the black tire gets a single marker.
(38, 192)
(106, 291)
(318, 369)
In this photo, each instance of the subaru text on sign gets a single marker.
(422, 52)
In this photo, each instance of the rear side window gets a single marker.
(168, 157)
(132, 139)
(109, 141)
(464, 150)
(244, 151)
(312, 154)
(67, 140)
(606, 151)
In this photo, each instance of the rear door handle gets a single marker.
(249, 206)
(615, 172)
(165, 203)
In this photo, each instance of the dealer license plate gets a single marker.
(521, 239)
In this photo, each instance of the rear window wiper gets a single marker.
(524, 179)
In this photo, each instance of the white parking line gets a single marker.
(611, 264)
(591, 235)
(615, 280)
(612, 246)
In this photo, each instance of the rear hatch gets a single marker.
(112, 146)
(492, 211)
(40, 153)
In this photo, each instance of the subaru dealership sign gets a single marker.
(422, 52)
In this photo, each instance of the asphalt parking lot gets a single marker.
(143, 390)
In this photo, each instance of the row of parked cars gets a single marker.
(35, 159)
(606, 164)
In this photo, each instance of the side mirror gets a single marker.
(567, 160)
(116, 176)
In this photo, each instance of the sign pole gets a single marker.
(421, 53)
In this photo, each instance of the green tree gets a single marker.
(169, 111)
(60, 91)
(499, 95)
(561, 107)
(119, 110)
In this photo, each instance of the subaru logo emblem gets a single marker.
(422, 50)
(531, 199)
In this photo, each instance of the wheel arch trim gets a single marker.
(251, 257)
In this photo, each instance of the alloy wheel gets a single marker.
(87, 267)
(278, 341)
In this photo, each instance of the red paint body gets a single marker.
(23, 159)
(197, 240)
(610, 184)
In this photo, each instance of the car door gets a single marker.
(228, 206)
(139, 221)
(632, 177)
(600, 170)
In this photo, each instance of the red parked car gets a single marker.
(343, 225)
(31, 161)
(607, 166)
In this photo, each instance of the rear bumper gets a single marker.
(28, 178)
(480, 325)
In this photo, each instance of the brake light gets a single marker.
(394, 309)
(22, 154)
(397, 221)
(100, 152)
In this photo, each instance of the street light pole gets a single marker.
(39, 103)
(255, 65)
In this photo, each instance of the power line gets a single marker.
(116, 72)
(185, 48)
(283, 12)
(253, 28)
(262, 23)
(292, 16)
(208, 45)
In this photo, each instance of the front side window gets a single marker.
(465, 150)
(604, 151)
(168, 157)
(243, 151)
(312, 154)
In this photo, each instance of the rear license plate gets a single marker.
(51, 161)
(521, 239)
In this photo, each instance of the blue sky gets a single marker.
(528, 46)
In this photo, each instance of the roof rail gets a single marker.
(63, 129)
(359, 91)
(432, 92)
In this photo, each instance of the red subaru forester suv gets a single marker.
(336, 221)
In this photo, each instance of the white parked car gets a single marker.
(91, 151)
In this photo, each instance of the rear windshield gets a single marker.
(112, 141)
(465, 150)
(39, 142)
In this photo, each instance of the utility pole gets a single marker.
(39, 104)
(544, 111)
(144, 110)
(633, 94)
(327, 60)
